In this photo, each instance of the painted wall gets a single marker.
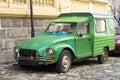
(51, 8)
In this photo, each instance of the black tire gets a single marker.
(104, 57)
(64, 63)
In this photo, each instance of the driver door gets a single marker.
(83, 40)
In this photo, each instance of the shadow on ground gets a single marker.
(114, 55)
(48, 69)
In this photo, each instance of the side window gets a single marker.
(84, 28)
(100, 25)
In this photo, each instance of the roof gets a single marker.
(102, 16)
(74, 14)
(78, 17)
(86, 14)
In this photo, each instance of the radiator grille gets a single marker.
(27, 53)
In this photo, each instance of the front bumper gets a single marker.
(29, 61)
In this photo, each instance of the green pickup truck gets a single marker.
(69, 38)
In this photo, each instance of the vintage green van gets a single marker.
(69, 38)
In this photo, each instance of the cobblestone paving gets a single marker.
(84, 70)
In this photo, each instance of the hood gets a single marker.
(44, 40)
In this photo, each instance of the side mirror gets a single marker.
(80, 35)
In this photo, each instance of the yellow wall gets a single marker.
(100, 7)
(50, 8)
(77, 5)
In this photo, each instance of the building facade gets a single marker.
(15, 22)
(51, 8)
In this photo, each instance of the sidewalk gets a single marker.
(84, 70)
(6, 56)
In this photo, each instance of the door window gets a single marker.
(84, 28)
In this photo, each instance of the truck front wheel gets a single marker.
(103, 58)
(64, 63)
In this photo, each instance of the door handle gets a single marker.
(89, 38)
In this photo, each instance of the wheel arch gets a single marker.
(59, 48)
(72, 52)
(107, 47)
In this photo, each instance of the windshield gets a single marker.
(62, 27)
(117, 30)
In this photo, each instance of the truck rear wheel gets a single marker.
(103, 58)
(64, 63)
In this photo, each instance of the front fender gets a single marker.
(58, 48)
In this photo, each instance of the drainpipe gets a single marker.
(32, 22)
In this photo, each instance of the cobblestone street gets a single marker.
(84, 70)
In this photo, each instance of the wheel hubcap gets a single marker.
(66, 62)
(105, 56)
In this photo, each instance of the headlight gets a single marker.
(50, 51)
(16, 49)
(16, 54)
